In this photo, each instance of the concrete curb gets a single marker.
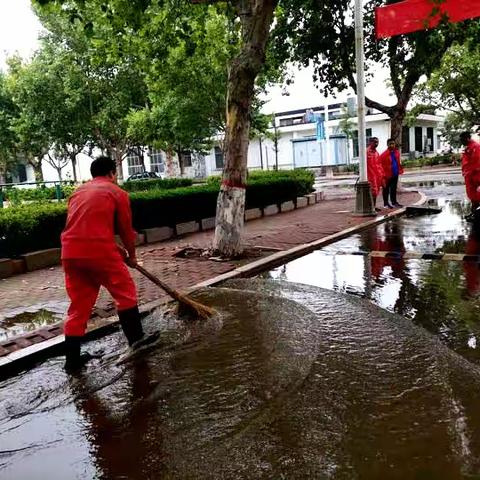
(22, 359)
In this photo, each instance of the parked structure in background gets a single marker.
(300, 144)
(321, 138)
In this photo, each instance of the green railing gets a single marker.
(56, 183)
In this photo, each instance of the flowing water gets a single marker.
(290, 381)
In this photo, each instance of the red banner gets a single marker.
(413, 15)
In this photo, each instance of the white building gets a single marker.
(297, 147)
(297, 144)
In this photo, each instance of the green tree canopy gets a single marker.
(323, 33)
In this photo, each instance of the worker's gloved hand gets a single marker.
(131, 262)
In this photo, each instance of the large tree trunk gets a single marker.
(397, 119)
(256, 19)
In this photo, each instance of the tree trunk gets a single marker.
(119, 163)
(397, 125)
(171, 169)
(181, 165)
(241, 82)
(59, 172)
(74, 167)
(37, 169)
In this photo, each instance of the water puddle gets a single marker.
(17, 323)
(292, 382)
(441, 296)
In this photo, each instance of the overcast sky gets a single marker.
(19, 30)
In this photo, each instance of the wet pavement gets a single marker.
(290, 381)
(443, 297)
(281, 386)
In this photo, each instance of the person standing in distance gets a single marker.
(392, 169)
(374, 169)
(471, 170)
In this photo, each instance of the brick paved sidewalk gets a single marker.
(44, 289)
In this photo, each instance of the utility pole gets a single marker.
(364, 201)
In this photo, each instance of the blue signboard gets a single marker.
(320, 128)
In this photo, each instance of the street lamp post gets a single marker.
(364, 200)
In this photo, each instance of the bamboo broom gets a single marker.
(196, 308)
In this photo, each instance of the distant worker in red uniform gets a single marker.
(91, 259)
(392, 169)
(374, 169)
(471, 170)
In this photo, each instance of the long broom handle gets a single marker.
(173, 293)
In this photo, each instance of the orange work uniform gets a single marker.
(90, 256)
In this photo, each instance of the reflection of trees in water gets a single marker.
(452, 246)
(460, 208)
(444, 298)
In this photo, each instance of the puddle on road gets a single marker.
(443, 297)
(295, 382)
(28, 321)
(292, 382)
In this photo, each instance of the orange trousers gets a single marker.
(83, 279)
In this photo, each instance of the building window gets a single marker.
(418, 139)
(429, 146)
(134, 164)
(219, 160)
(405, 139)
(287, 122)
(157, 163)
(368, 133)
(186, 159)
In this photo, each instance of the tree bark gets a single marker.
(256, 18)
(37, 169)
(396, 125)
(73, 159)
(169, 164)
(119, 163)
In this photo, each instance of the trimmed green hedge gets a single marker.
(18, 195)
(31, 227)
(160, 184)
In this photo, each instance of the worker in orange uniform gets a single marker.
(91, 259)
(374, 169)
(471, 170)
(391, 163)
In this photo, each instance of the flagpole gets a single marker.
(364, 200)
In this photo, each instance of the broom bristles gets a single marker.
(195, 307)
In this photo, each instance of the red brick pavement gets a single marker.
(42, 289)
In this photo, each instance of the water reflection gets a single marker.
(443, 297)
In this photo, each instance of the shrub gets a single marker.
(40, 193)
(31, 227)
(160, 184)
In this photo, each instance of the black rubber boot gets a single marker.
(74, 361)
(131, 324)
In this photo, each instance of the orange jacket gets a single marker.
(386, 162)
(374, 170)
(96, 211)
(471, 158)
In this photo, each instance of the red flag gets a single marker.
(412, 15)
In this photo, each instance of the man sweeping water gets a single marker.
(91, 259)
